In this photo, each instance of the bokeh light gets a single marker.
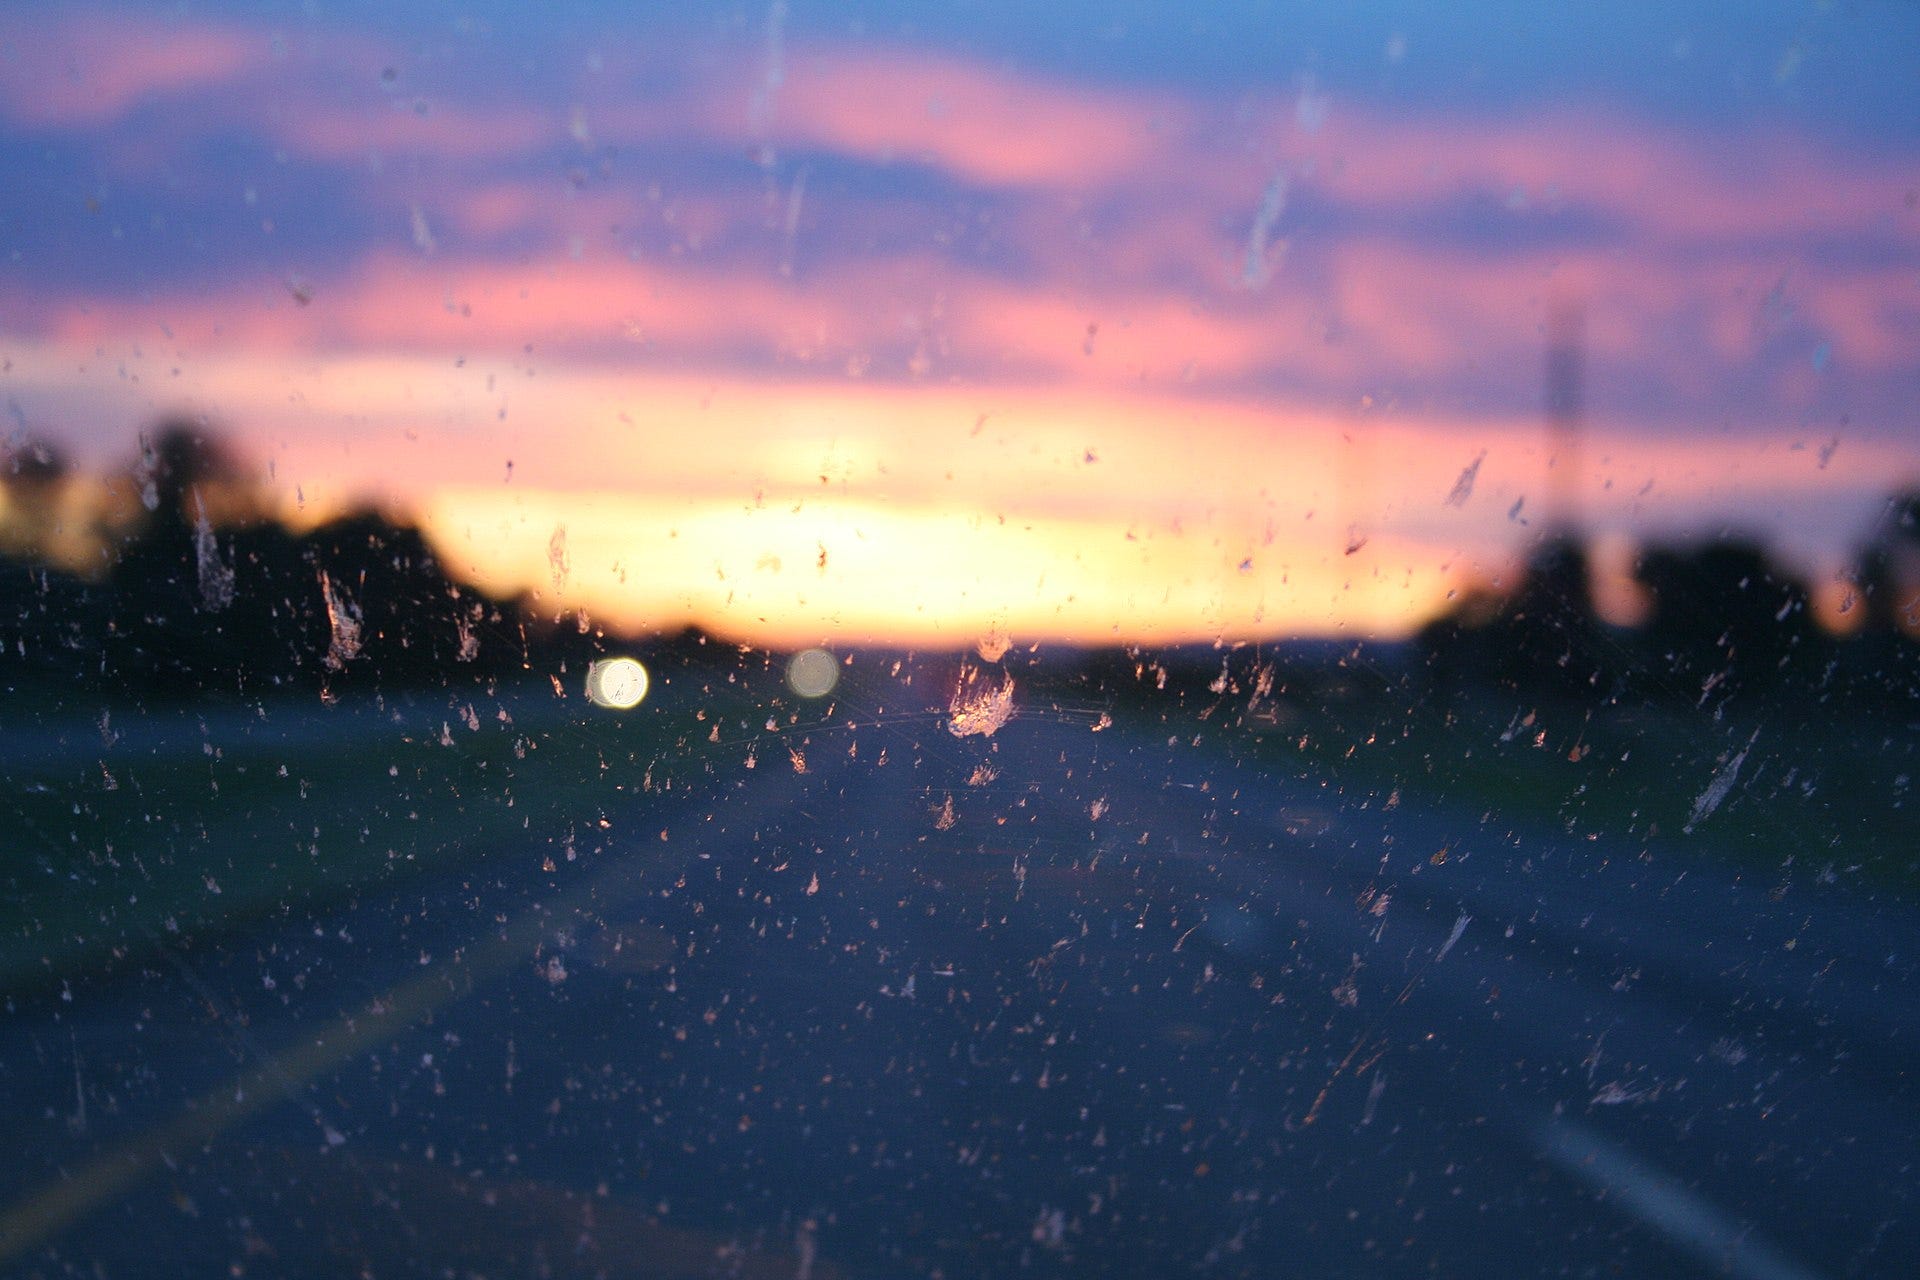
(812, 673)
(618, 683)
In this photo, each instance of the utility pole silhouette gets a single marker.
(1565, 375)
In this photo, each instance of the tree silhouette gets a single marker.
(49, 620)
(1889, 572)
(1544, 640)
(413, 624)
(209, 596)
(1883, 658)
(173, 575)
(33, 476)
(1726, 622)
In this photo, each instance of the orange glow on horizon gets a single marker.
(850, 571)
(1092, 513)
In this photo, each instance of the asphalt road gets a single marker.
(1062, 1000)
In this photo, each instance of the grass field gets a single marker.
(138, 826)
(1785, 795)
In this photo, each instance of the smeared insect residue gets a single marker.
(469, 643)
(343, 619)
(422, 233)
(981, 709)
(1378, 1087)
(1261, 251)
(993, 646)
(795, 196)
(806, 1250)
(1717, 790)
(557, 556)
(1463, 487)
(216, 575)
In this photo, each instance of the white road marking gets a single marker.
(1661, 1202)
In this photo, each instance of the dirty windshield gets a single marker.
(870, 640)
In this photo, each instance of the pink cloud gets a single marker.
(1379, 310)
(985, 127)
(1428, 312)
(997, 128)
(488, 209)
(989, 127)
(1665, 183)
(393, 303)
(445, 131)
(91, 68)
(1872, 317)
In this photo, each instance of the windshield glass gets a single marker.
(894, 639)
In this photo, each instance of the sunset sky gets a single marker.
(903, 322)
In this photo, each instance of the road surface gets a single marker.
(1059, 1000)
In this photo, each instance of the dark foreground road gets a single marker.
(1056, 1001)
